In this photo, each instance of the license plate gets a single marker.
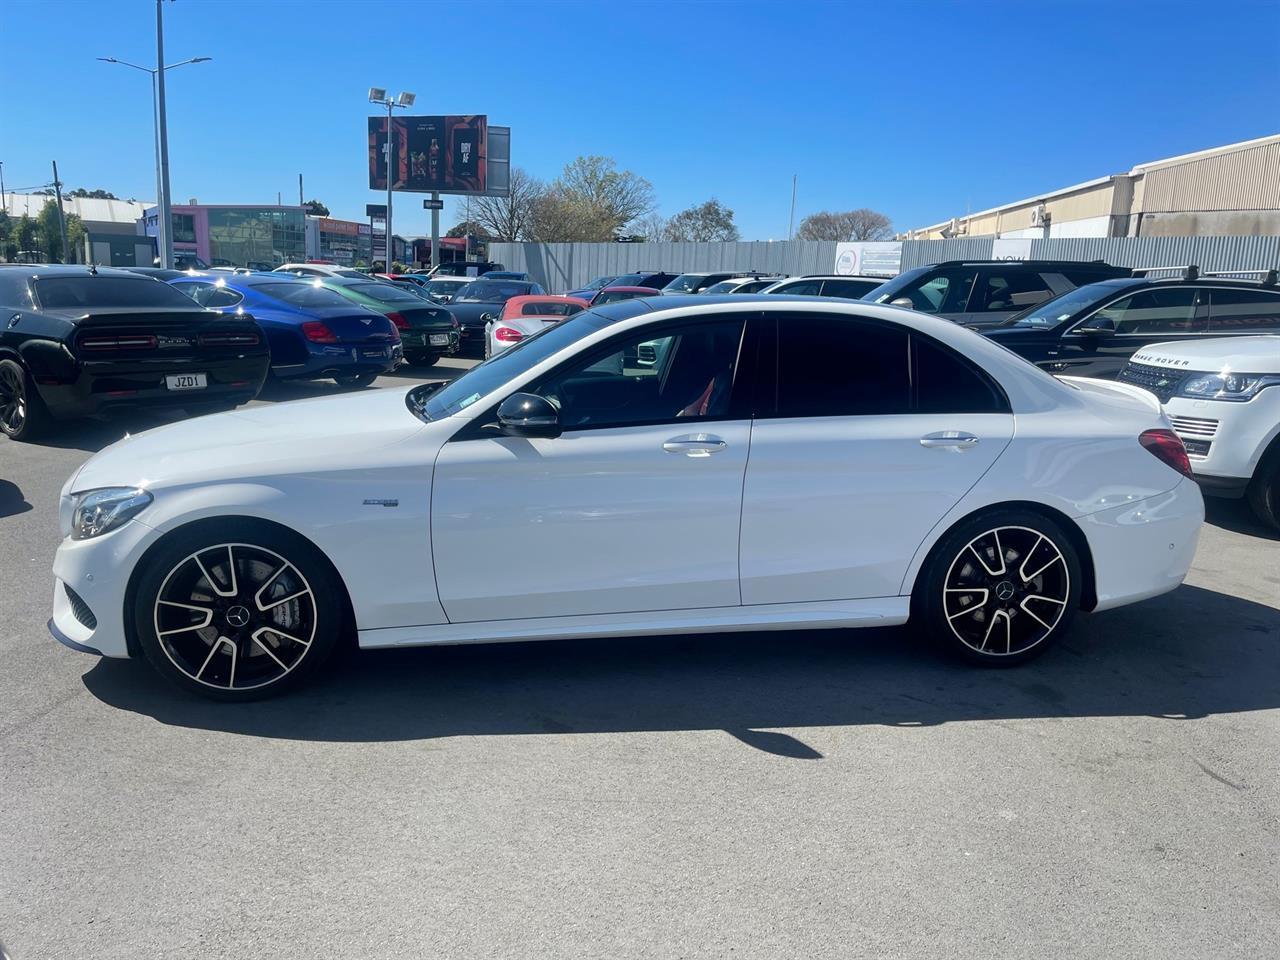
(439, 339)
(186, 381)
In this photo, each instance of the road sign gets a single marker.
(432, 204)
(375, 210)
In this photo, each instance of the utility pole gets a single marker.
(166, 216)
(386, 265)
(435, 231)
(301, 202)
(791, 220)
(62, 220)
(3, 203)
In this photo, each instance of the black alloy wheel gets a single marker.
(23, 415)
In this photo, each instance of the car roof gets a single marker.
(632, 289)
(834, 276)
(34, 270)
(544, 298)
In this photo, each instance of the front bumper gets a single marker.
(1145, 548)
(90, 616)
(1225, 439)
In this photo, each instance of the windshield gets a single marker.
(686, 283)
(597, 283)
(509, 364)
(725, 286)
(491, 291)
(1053, 312)
(383, 292)
(444, 288)
(613, 296)
(303, 294)
(890, 289)
(63, 293)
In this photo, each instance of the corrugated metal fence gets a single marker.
(565, 266)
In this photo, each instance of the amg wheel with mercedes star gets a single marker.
(23, 415)
(1000, 588)
(237, 610)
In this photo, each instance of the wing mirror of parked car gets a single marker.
(528, 415)
(1097, 328)
(902, 302)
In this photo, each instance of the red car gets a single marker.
(614, 294)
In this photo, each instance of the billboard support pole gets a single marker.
(388, 249)
(435, 230)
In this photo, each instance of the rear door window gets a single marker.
(838, 366)
(1244, 311)
(945, 382)
(945, 292)
(802, 288)
(850, 289)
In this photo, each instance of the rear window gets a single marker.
(689, 283)
(384, 292)
(302, 294)
(87, 293)
(549, 309)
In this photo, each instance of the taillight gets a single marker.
(398, 320)
(228, 339)
(318, 332)
(128, 342)
(1167, 446)
(507, 335)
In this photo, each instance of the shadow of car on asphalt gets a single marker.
(1236, 516)
(12, 500)
(1188, 654)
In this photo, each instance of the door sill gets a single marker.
(825, 614)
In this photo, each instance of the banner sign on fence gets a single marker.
(869, 258)
(1011, 248)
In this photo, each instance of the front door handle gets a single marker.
(695, 444)
(949, 439)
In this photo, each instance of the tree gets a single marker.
(49, 234)
(509, 218)
(316, 209)
(598, 200)
(702, 223)
(652, 227)
(25, 235)
(464, 227)
(860, 224)
(82, 193)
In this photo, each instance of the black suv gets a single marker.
(1092, 331)
(986, 293)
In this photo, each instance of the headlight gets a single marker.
(1226, 386)
(94, 512)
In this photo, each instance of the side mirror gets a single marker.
(902, 302)
(1096, 331)
(486, 317)
(528, 415)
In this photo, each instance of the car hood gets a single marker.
(1018, 334)
(1259, 354)
(299, 436)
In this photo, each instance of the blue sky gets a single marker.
(918, 109)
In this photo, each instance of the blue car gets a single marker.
(314, 333)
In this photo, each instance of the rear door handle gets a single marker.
(695, 444)
(949, 439)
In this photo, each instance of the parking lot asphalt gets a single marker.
(801, 794)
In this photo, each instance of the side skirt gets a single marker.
(874, 612)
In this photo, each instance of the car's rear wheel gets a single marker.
(355, 379)
(237, 610)
(1000, 588)
(1264, 489)
(23, 415)
(422, 359)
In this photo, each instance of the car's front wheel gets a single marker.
(1263, 491)
(237, 610)
(999, 588)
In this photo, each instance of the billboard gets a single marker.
(444, 154)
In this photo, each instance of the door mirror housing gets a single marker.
(902, 302)
(1095, 331)
(528, 415)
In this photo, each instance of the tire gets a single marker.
(1263, 491)
(355, 379)
(999, 607)
(209, 633)
(23, 414)
(423, 359)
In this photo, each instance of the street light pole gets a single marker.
(379, 96)
(164, 225)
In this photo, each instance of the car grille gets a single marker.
(81, 609)
(1161, 381)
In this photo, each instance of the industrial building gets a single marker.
(111, 226)
(1225, 191)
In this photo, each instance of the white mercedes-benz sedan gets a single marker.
(781, 464)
